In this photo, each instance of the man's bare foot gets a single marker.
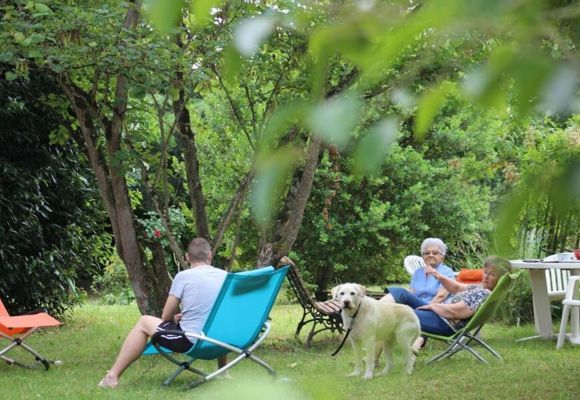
(109, 382)
(419, 342)
(225, 375)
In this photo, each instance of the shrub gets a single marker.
(113, 284)
(51, 222)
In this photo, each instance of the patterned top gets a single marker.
(473, 297)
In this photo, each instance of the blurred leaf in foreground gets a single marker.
(430, 105)
(272, 172)
(256, 389)
(251, 33)
(373, 148)
(334, 119)
(202, 9)
(558, 182)
(280, 122)
(164, 14)
(559, 95)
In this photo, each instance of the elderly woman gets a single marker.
(443, 318)
(424, 285)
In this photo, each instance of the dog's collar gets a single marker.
(356, 312)
(347, 332)
(354, 315)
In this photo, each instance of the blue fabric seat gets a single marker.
(238, 323)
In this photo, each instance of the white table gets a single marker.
(537, 270)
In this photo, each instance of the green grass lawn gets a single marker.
(92, 335)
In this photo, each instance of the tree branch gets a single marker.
(234, 107)
(233, 206)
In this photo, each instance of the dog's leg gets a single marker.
(370, 358)
(388, 350)
(378, 351)
(358, 358)
(406, 343)
(410, 354)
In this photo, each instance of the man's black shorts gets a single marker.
(177, 343)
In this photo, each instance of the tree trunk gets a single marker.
(286, 229)
(234, 205)
(187, 137)
(150, 283)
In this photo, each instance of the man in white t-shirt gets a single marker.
(195, 289)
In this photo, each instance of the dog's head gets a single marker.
(349, 295)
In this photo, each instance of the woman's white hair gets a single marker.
(434, 242)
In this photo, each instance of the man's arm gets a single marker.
(171, 308)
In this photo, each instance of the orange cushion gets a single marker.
(470, 275)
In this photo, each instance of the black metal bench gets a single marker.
(322, 315)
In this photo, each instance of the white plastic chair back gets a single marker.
(573, 290)
(413, 263)
(570, 312)
(557, 282)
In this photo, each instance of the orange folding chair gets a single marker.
(17, 328)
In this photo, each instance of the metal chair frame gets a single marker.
(462, 339)
(323, 315)
(238, 323)
(17, 328)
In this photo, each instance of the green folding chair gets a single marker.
(464, 338)
(238, 323)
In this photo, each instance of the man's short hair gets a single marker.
(199, 249)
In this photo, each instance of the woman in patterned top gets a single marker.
(443, 318)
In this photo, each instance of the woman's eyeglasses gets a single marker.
(435, 253)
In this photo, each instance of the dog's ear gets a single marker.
(362, 291)
(334, 291)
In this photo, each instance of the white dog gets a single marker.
(374, 325)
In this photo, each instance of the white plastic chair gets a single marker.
(571, 311)
(413, 263)
(557, 282)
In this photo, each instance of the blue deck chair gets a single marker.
(238, 323)
(464, 338)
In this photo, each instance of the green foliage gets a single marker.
(462, 79)
(48, 208)
(165, 15)
(429, 106)
(272, 174)
(529, 369)
(334, 119)
(543, 215)
(507, 63)
(518, 307)
(372, 148)
(361, 229)
(112, 283)
(155, 230)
